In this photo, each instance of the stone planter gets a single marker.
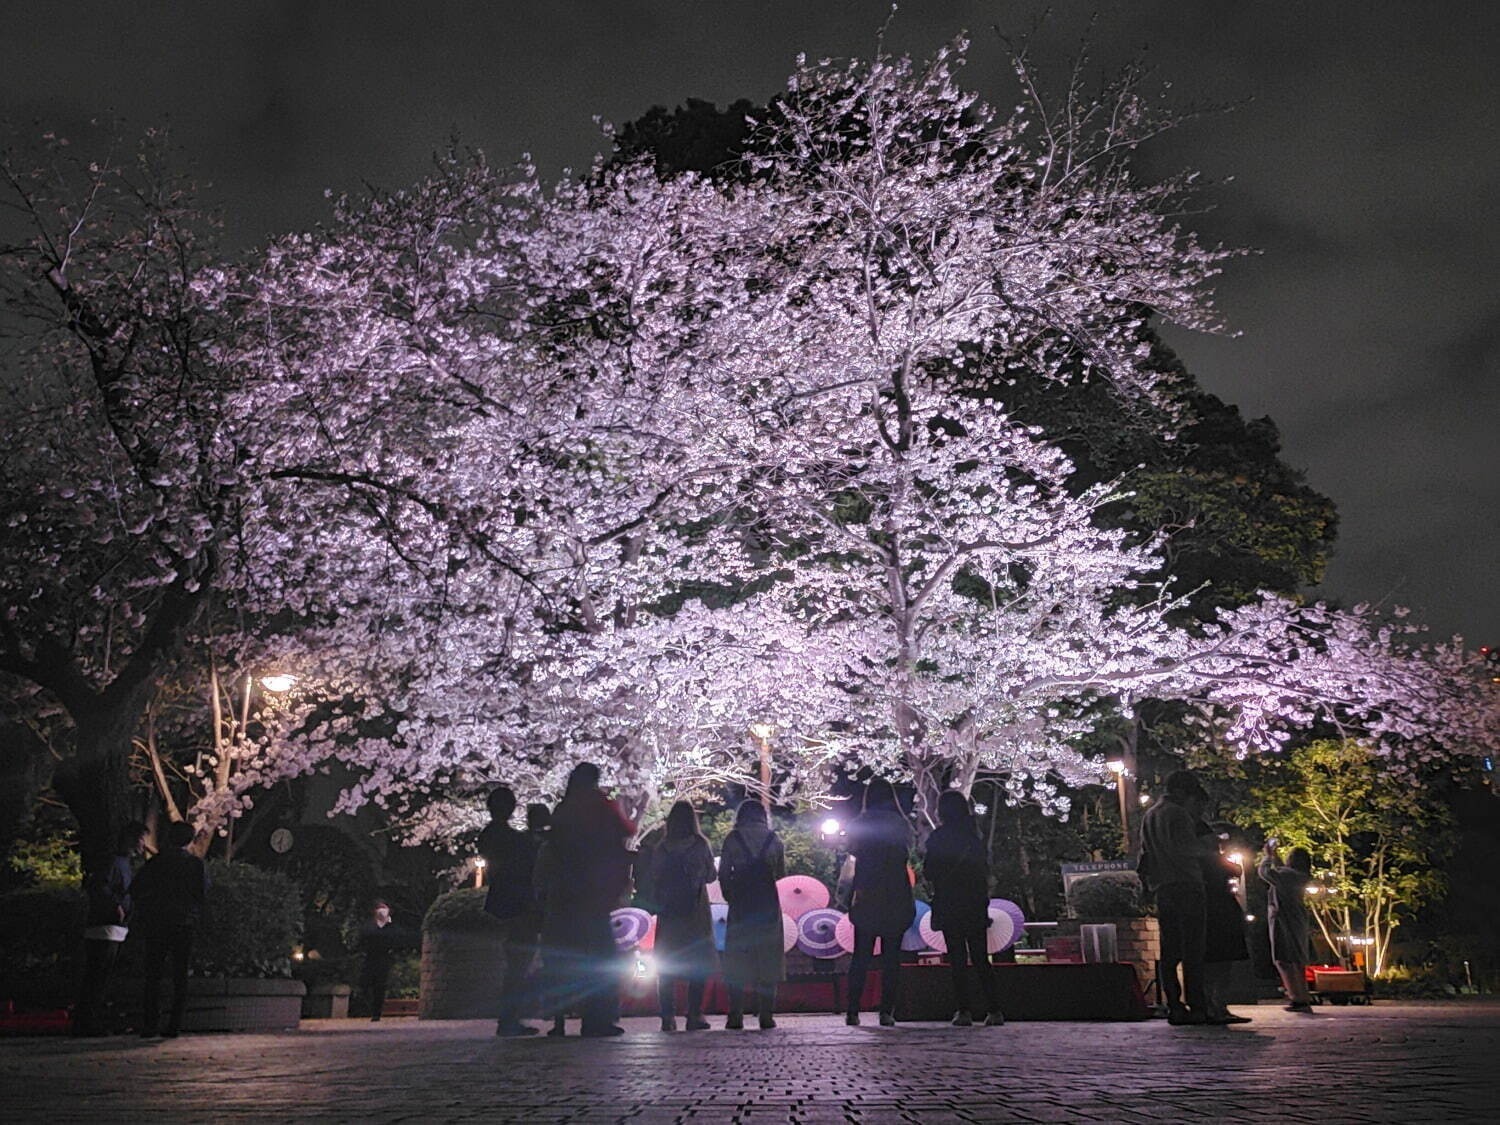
(230, 1003)
(461, 975)
(326, 1001)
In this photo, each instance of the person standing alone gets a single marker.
(959, 871)
(167, 904)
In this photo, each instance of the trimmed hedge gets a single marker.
(251, 921)
(460, 911)
(1113, 894)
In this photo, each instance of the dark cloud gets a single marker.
(1360, 161)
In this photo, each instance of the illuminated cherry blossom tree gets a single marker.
(620, 468)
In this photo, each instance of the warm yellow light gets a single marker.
(480, 863)
(1115, 766)
(762, 731)
(1236, 857)
(278, 682)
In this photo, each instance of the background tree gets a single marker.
(114, 485)
(1377, 845)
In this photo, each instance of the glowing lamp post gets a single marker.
(1117, 767)
(479, 866)
(278, 682)
(763, 733)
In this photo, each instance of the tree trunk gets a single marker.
(94, 781)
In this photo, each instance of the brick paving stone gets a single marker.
(1390, 1062)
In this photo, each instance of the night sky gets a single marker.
(1364, 162)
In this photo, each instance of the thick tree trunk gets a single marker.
(94, 781)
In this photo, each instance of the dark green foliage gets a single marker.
(251, 921)
(41, 930)
(1114, 894)
(336, 881)
(460, 911)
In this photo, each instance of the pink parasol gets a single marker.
(799, 894)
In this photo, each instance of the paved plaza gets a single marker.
(1391, 1062)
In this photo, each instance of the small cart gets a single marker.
(1334, 984)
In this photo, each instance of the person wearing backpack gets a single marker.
(958, 871)
(754, 954)
(681, 868)
(881, 906)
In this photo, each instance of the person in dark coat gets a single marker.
(379, 939)
(106, 927)
(586, 870)
(510, 865)
(881, 904)
(1172, 859)
(1288, 919)
(681, 868)
(167, 899)
(958, 870)
(754, 944)
(1224, 932)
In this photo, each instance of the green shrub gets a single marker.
(41, 929)
(1420, 983)
(1113, 894)
(459, 911)
(251, 921)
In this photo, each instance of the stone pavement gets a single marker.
(1391, 1062)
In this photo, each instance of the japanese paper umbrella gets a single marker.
(933, 938)
(799, 894)
(630, 925)
(914, 939)
(1007, 923)
(816, 933)
(788, 933)
(845, 934)
(720, 914)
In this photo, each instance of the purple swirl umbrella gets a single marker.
(817, 933)
(1007, 924)
(913, 941)
(629, 925)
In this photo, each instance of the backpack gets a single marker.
(675, 887)
(752, 893)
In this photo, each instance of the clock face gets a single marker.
(281, 840)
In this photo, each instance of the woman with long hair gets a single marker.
(882, 905)
(958, 870)
(754, 956)
(682, 866)
(1286, 914)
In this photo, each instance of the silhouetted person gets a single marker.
(1172, 859)
(754, 944)
(538, 822)
(881, 905)
(681, 867)
(167, 899)
(106, 927)
(379, 938)
(1288, 919)
(957, 867)
(510, 864)
(586, 869)
(1224, 931)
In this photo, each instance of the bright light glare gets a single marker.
(1249, 917)
(1115, 765)
(1145, 798)
(480, 862)
(762, 731)
(830, 827)
(980, 810)
(1236, 857)
(278, 682)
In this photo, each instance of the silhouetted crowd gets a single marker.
(554, 885)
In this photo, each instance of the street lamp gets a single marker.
(479, 865)
(1117, 767)
(278, 682)
(763, 733)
